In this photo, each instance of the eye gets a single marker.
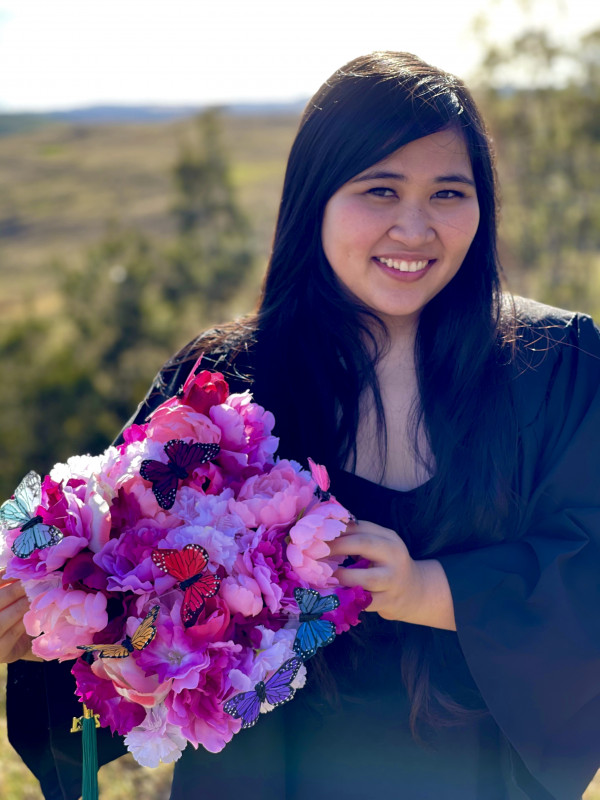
(448, 194)
(382, 191)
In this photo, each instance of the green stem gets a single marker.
(90, 756)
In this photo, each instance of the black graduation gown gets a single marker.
(527, 641)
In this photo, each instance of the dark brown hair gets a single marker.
(315, 352)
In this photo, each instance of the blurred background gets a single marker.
(142, 152)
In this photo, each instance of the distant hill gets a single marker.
(136, 115)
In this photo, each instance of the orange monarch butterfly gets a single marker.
(144, 633)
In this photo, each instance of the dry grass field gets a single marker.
(62, 185)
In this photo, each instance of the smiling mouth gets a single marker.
(403, 266)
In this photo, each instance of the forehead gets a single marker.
(441, 153)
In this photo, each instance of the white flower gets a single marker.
(155, 740)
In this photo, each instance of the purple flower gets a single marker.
(127, 560)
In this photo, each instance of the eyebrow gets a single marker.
(383, 175)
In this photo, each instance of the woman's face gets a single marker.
(398, 232)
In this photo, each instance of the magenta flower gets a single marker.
(100, 695)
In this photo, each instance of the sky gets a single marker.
(58, 54)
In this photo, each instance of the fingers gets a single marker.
(10, 592)
(22, 649)
(373, 579)
(12, 615)
(5, 581)
(14, 641)
(369, 541)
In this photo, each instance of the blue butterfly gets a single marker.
(313, 632)
(19, 512)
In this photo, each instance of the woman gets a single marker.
(456, 426)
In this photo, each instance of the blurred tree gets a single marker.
(212, 254)
(127, 306)
(548, 141)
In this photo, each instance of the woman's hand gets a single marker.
(15, 643)
(402, 588)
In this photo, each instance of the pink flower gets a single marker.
(180, 654)
(308, 552)
(181, 422)
(247, 446)
(130, 680)
(199, 712)
(156, 740)
(46, 561)
(275, 498)
(242, 594)
(61, 620)
(266, 533)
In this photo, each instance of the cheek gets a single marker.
(460, 232)
(345, 231)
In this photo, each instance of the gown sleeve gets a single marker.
(528, 609)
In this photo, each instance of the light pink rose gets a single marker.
(130, 680)
(242, 594)
(308, 552)
(181, 422)
(63, 620)
(276, 498)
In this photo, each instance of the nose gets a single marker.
(412, 227)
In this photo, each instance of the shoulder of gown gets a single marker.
(527, 609)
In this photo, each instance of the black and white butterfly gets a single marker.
(19, 512)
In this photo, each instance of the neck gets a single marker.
(399, 346)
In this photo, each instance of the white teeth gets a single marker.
(404, 266)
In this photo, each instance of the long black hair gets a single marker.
(316, 348)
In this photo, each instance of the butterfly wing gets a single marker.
(181, 564)
(105, 650)
(37, 537)
(312, 635)
(146, 631)
(189, 456)
(311, 602)
(246, 706)
(195, 597)
(320, 475)
(185, 565)
(163, 479)
(17, 511)
(278, 689)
